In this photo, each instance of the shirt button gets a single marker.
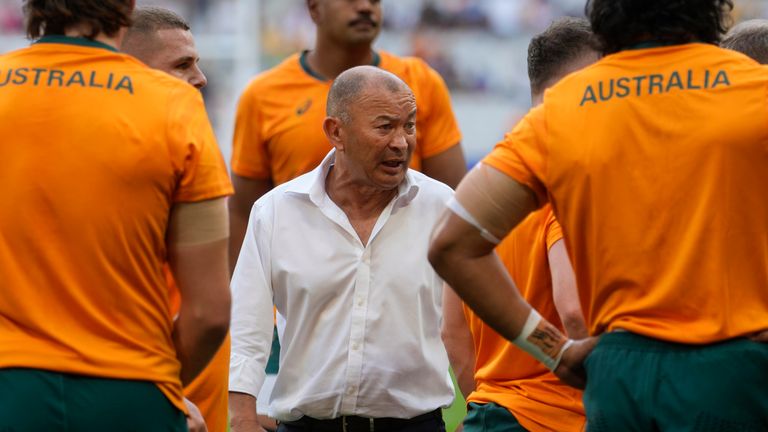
(351, 390)
(355, 347)
(360, 302)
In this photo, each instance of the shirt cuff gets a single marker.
(246, 375)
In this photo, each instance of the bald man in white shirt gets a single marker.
(342, 251)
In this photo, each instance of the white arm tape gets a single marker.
(522, 342)
(461, 212)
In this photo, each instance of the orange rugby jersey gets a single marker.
(506, 375)
(97, 147)
(278, 130)
(656, 163)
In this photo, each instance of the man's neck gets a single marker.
(329, 59)
(80, 31)
(354, 198)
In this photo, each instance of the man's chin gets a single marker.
(362, 38)
(392, 182)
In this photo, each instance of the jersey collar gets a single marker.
(61, 39)
(308, 70)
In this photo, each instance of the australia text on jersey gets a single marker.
(654, 84)
(60, 78)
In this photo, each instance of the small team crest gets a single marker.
(303, 108)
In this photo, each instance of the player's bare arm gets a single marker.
(458, 341)
(565, 293)
(448, 167)
(247, 191)
(197, 252)
(487, 205)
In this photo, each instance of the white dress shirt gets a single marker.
(359, 325)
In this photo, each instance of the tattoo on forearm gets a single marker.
(547, 338)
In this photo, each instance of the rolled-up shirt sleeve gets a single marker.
(252, 310)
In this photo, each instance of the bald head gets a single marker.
(352, 83)
(750, 38)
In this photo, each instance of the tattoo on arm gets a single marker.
(548, 339)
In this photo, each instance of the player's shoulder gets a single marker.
(408, 68)
(14, 54)
(286, 72)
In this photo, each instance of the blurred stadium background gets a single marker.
(479, 47)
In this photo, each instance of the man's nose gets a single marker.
(198, 78)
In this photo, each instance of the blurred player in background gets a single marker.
(655, 161)
(750, 38)
(510, 390)
(115, 171)
(162, 39)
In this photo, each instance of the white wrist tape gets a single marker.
(461, 212)
(552, 356)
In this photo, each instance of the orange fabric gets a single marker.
(506, 375)
(278, 130)
(209, 391)
(97, 147)
(659, 184)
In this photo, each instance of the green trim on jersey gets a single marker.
(376, 61)
(61, 39)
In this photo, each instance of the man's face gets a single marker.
(380, 136)
(174, 52)
(347, 22)
(586, 58)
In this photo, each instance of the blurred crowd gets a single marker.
(426, 28)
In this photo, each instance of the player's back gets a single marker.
(657, 163)
(97, 147)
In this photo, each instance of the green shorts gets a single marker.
(33, 400)
(490, 417)
(640, 384)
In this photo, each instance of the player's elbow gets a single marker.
(214, 317)
(440, 248)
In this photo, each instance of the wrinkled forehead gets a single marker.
(377, 99)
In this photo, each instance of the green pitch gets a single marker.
(454, 414)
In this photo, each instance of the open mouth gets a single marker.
(393, 165)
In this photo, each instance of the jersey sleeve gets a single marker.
(439, 128)
(553, 232)
(250, 158)
(198, 163)
(522, 153)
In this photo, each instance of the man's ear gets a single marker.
(332, 126)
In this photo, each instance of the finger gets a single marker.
(760, 337)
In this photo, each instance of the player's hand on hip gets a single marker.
(195, 421)
(571, 368)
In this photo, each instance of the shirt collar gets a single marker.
(312, 185)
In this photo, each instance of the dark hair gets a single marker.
(563, 41)
(622, 23)
(150, 19)
(750, 38)
(54, 17)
